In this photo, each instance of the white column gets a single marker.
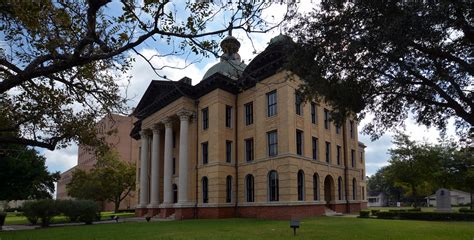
(144, 169)
(168, 166)
(184, 116)
(155, 169)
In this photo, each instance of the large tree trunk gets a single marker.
(117, 204)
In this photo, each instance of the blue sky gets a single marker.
(141, 75)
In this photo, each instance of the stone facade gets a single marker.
(121, 141)
(225, 134)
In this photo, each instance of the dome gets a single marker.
(230, 64)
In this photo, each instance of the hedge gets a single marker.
(429, 216)
(466, 210)
(374, 212)
(364, 214)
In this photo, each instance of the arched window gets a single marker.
(339, 188)
(300, 185)
(228, 196)
(205, 190)
(316, 187)
(249, 188)
(175, 193)
(354, 189)
(273, 193)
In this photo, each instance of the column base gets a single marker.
(141, 212)
(166, 212)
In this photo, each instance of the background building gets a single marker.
(120, 140)
(242, 143)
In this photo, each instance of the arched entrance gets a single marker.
(328, 189)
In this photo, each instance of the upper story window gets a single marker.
(326, 118)
(352, 128)
(228, 116)
(298, 104)
(205, 118)
(272, 139)
(361, 157)
(205, 153)
(174, 139)
(338, 154)
(174, 166)
(272, 103)
(314, 113)
(249, 113)
(228, 151)
(249, 149)
(299, 142)
(353, 158)
(315, 148)
(328, 152)
(338, 129)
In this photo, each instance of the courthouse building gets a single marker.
(241, 143)
(127, 148)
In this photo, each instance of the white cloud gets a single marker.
(61, 159)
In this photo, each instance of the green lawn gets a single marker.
(314, 228)
(423, 209)
(13, 219)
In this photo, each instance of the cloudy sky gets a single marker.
(141, 74)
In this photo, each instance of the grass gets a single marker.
(13, 219)
(324, 228)
(423, 209)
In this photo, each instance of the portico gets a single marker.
(158, 163)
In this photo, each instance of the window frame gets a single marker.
(328, 152)
(326, 119)
(228, 189)
(272, 101)
(314, 113)
(249, 149)
(298, 104)
(205, 153)
(272, 145)
(248, 108)
(228, 116)
(249, 188)
(338, 154)
(299, 142)
(314, 145)
(205, 189)
(228, 151)
(300, 185)
(273, 186)
(205, 118)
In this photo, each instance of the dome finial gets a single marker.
(230, 46)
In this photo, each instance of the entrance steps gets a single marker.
(329, 212)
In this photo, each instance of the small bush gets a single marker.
(45, 210)
(387, 215)
(466, 210)
(29, 213)
(89, 212)
(70, 208)
(364, 214)
(414, 210)
(374, 212)
(428, 216)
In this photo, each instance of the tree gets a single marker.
(389, 58)
(66, 56)
(379, 182)
(24, 175)
(110, 180)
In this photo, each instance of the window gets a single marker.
(299, 142)
(205, 152)
(363, 193)
(328, 152)
(249, 188)
(272, 103)
(228, 116)
(361, 157)
(326, 118)
(338, 155)
(362, 175)
(205, 118)
(339, 188)
(353, 158)
(228, 189)
(351, 127)
(205, 190)
(354, 189)
(338, 129)
(249, 149)
(298, 105)
(174, 166)
(273, 191)
(228, 151)
(174, 139)
(249, 113)
(314, 113)
(315, 187)
(300, 185)
(315, 148)
(175, 193)
(272, 143)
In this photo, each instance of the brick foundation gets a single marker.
(184, 213)
(153, 212)
(216, 212)
(141, 212)
(166, 212)
(281, 212)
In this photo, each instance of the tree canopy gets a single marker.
(389, 58)
(66, 58)
(110, 180)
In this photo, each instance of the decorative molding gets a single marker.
(168, 122)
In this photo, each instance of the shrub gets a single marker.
(466, 210)
(3, 215)
(45, 210)
(89, 212)
(29, 212)
(70, 208)
(374, 212)
(364, 214)
(387, 215)
(428, 216)
(414, 210)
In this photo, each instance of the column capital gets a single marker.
(156, 128)
(145, 132)
(168, 122)
(184, 114)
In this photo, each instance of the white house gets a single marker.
(458, 197)
(377, 199)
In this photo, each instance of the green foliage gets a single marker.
(428, 216)
(3, 215)
(364, 214)
(29, 212)
(466, 210)
(43, 210)
(83, 210)
(89, 212)
(374, 212)
(390, 59)
(111, 180)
